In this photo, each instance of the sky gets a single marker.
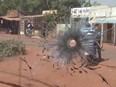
(106, 2)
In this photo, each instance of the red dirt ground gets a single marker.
(15, 73)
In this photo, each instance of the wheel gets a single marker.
(28, 32)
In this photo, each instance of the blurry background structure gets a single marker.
(103, 17)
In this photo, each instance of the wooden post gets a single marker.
(102, 31)
(114, 35)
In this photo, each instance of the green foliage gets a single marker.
(95, 3)
(50, 19)
(11, 47)
(36, 6)
(63, 7)
(31, 7)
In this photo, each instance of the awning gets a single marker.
(101, 21)
(111, 21)
(32, 16)
(10, 19)
(106, 21)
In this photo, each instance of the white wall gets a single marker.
(113, 11)
(62, 28)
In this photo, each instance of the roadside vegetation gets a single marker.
(10, 48)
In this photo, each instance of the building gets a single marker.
(103, 17)
(37, 21)
(10, 22)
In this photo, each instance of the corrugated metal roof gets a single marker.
(10, 19)
(31, 16)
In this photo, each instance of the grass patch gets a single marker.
(10, 48)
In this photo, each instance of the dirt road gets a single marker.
(14, 72)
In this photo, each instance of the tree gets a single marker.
(95, 3)
(30, 7)
(87, 3)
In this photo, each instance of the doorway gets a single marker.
(109, 32)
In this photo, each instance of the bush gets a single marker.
(11, 48)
